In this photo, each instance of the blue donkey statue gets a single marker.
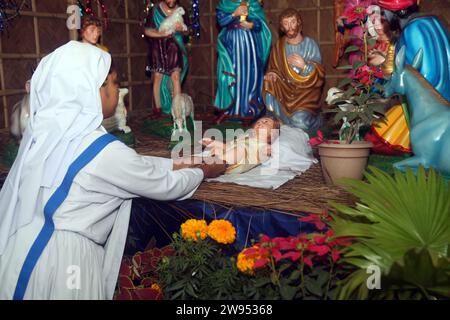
(430, 116)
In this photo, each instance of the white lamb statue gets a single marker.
(21, 114)
(182, 107)
(119, 120)
(168, 25)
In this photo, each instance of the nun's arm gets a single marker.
(121, 172)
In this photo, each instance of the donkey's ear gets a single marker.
(418, 59)
(400, 59)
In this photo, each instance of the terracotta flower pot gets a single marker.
(343, 160)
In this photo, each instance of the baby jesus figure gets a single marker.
(249, 150)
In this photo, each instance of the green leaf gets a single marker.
(344, 82)
(352, 49)
(261, 282)
(371, 41)
(314, 287)
(288, 292)
(358, 64)
(346, 67)
(394, 215)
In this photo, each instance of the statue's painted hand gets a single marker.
(247, 25)
(165, 34)
(271, 76)
(296, 61)
(241, 11)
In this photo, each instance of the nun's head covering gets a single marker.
(65, 106)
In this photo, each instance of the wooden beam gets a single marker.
(64, 16)
(3, 88)
(213, 49)
(36, 31)
(73, 34)
(130, 79)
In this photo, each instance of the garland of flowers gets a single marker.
(9, 5)
(195, 19)
(148, 5)
(86, 9)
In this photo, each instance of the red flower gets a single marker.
(277, 255)
(342, 241)
(321, 250)
(320, 239)
(367, 75)
(293, 255)
(317, 140)
(335, 255)
(308, 261)
(260, 263)
(315, 219)
(355, 14)
(289, 243)
(264, 238)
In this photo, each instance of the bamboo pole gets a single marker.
(213, 50)
(73, 34)
(3, 88)
(319, 36)
(130, 79)
(36, 31)
(64, 16)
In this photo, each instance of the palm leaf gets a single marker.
(395, 214)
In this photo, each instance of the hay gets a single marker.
(305, 193)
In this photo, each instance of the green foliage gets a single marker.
(204, 270)
(126, 138)
(198, 270)
(402, 224)
(10, 153)
(360, 104)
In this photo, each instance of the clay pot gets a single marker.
(341, 160)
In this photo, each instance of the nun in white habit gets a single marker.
(65, 206)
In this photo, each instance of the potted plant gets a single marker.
(356, 103)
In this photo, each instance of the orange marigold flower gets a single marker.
(156, 287)
(222, 231)
(245, 263)
(252, 258)
(194, 229)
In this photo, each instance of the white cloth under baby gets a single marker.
(291, 156)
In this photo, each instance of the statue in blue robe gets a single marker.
(243, 49)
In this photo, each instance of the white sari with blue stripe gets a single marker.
(82, 257)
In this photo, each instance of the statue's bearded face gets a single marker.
(291, 26)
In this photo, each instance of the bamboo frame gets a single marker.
(72, 35)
